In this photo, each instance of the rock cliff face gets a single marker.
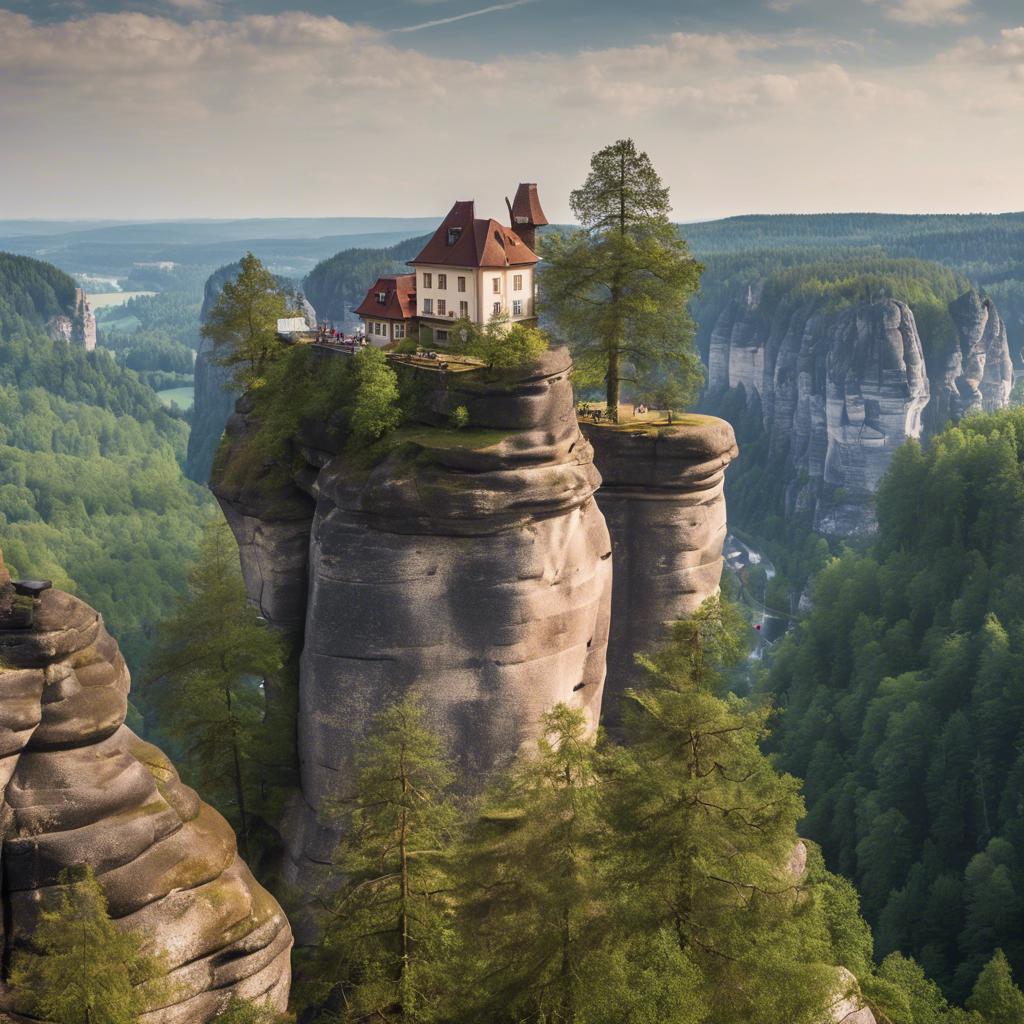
(838, 391)
(78, 786)
(662, 496)
(214, 394)
(472, 568)
(78, 327)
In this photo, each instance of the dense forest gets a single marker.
(903, 710)
(91, 490)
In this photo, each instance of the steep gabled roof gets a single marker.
(399, 298)
(526, 208)
(462, 240)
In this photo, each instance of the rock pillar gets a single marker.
(662, 496)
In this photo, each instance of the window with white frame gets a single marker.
(442, 280)
(428, 280)
(442, 307)
(517, 307)
(517, 282)
(428, 307)
(463, 309)
(462, 284)
(382, 298)
(497, 309)
(496, 285)
(399, 330)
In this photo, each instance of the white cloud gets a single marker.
(306, 115)
(926, 12)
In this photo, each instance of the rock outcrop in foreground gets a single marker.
(471, 567)
(79, 787)
(662, 495)
(838, 391)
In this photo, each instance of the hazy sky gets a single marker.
(218, 108)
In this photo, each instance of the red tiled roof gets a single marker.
(526, 208)
(399, 302)
(478, 243)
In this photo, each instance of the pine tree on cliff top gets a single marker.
(81, 968)
(390, 929)
(243, 322)
(617, 289)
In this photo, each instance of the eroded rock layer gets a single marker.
(471, 567)
(79, 787)
(838, 391)
(662, 496)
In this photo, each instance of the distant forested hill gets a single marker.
(987, 248)
(338, 284)
(91, 489)
(903, 704)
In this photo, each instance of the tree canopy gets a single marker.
(617, 289)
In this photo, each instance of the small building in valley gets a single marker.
(388, 312)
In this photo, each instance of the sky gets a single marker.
(218, 108)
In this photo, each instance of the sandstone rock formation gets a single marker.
(978, 372)
(78, 327)
(78, 786)
(470, 567)
(838, 391)
(662, 496)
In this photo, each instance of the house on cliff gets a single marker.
(389, 310)
(471, 267)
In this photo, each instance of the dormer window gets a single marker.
(382, 298)
(454, 234)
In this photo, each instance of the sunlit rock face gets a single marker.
(662, 496)
(79, 787)
(78, 326)
(472, 568)
(838, 391)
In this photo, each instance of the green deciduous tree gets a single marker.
(81, 968)
(206, 689)
(501, 345)
(617, 289)
(243, 322)
(376, 410)
(390, 928)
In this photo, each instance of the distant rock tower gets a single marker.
(78, 327)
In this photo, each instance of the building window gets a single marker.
(399, 330)
(428, 280)
(462, 284)
(382, 329)
(497, 309)
(442, 280)
(453, 235)
(496, 285)
(463, 309)
(441, 336)
(517, 307)
(517, 282)
(428, 307)
(382, 298)
(442, 307)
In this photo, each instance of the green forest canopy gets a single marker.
(91, 489)
(903, 707)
